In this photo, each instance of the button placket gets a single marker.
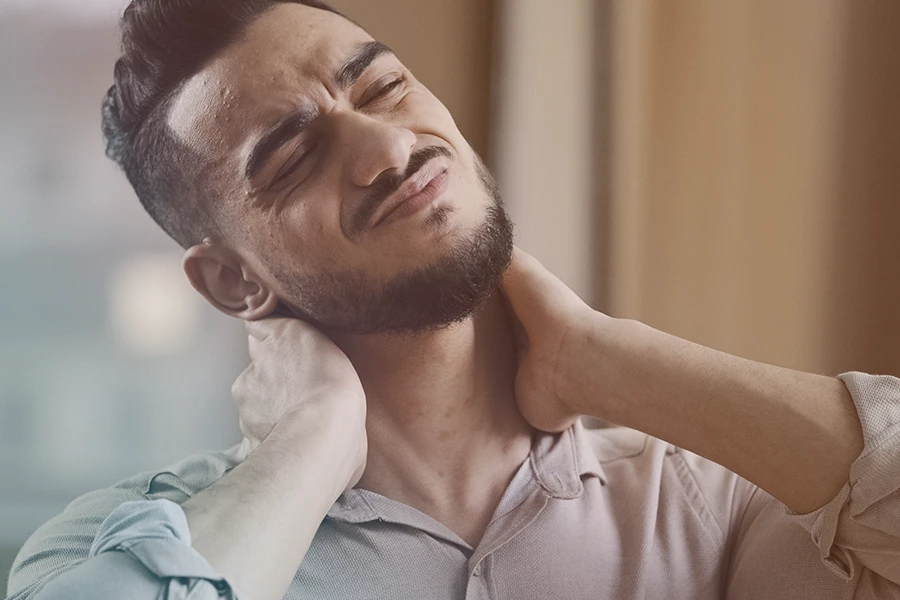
(479, 587)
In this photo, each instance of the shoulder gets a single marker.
(610, 443)
(613, 444)
(65, 541)
(187, 477)
(176, 482)
(669, 473)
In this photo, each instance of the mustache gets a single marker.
(382, 190)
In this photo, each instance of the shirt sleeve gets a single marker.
(860, 527)
(849, 548)
(143, 546)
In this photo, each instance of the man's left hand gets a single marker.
(552, 326)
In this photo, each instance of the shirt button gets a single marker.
(476, 572)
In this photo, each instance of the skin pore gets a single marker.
(444, 433)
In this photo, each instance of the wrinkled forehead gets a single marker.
(284, 57)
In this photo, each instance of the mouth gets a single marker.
(422, 188)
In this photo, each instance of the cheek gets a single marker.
(309, 230)
(424, 113)
(301, 225)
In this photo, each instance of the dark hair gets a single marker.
(164, 43)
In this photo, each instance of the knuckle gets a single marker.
(238, 392)
(238, 382)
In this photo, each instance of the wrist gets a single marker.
(583, 355)
(330, 445)
(607, 349)
(632, 353)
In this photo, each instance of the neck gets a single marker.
(444, 432)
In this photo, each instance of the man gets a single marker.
(409, 431)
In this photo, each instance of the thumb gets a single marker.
(535, 293)
(257, 331)
(525, 285)
(263, 329)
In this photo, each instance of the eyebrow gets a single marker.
(296, 122)
(353, 68)
(287, 129)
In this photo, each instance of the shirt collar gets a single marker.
(561, 460)
(558, 461)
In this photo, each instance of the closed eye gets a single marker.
(291, 167)
(384, 90)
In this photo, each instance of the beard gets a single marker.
(427, 299)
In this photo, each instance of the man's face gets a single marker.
(315, 135)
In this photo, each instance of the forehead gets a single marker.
(288, 52)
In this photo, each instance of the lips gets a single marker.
(420, 189)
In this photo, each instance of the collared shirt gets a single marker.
(609, 513)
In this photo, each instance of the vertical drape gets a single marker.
(547, 115)
(754, 203)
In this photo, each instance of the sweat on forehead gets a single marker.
(290, 49)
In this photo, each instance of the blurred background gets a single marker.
(727, 171)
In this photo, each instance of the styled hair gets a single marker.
(165, 43)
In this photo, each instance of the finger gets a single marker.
(239, 390)
(520, 336)
(261, 329)
(523, 284)
(246, 448)
(254, 346)
(533, 290)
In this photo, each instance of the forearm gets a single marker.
(793, 434)
(255, 525)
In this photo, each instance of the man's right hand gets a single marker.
(303, 414)
(297, 376)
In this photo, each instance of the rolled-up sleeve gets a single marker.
(860, 527)
(848, 548)
(141, 550)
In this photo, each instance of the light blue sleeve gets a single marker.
(142, 551)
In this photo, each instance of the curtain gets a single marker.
(724, 171)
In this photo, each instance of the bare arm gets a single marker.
(793, 434)
(302, 411)
(255, 525)
(826, 450)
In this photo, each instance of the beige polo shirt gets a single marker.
(591, 514)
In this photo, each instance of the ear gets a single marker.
(221, 277)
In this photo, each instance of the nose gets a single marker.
(374, 148)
